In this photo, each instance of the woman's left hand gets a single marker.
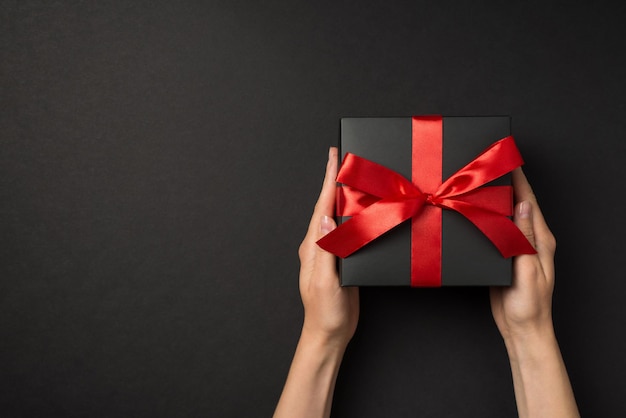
(331, 312)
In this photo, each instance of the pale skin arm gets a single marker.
(330, 316)
(523, 314)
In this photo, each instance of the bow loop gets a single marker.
(498, 159)
(374, 179)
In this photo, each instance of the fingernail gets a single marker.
(327, 224)
(330, 153)
(524, 210)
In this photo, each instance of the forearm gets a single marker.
(542, 386)
(308, 391)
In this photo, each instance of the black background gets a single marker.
(159, 163)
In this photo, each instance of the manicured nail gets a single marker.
(524, 210)
(327, 224)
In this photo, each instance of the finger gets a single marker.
(543, 238)
(326, 260)
(524, 263)
(327, 224)
(521, 187)
(527, 266)
(524, 220)
(325, 205)
(523, 191)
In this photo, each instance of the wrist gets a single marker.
(531, 346)
(322, 344)
(326, 336)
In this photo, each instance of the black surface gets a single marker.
(468, 257)
(159, 162)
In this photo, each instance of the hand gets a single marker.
(523, 313)
(331, 312)
(526, 306)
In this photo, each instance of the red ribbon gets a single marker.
(378, 199)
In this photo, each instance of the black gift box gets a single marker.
(468, 257)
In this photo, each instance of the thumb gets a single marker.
(524, 220)
(327, 224)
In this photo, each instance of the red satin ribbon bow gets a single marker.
(378, 199)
